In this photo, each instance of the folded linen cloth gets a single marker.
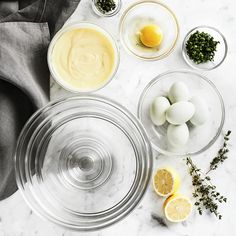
(25, 30)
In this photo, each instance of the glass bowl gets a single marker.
(83, 162)
(200, 137)
(220, 54)
(143, 13)
(56, 75)
(108, 14)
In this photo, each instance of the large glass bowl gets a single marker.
(201, 137)
(83, 162)
(143, 13)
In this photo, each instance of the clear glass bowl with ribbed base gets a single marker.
(83, 162)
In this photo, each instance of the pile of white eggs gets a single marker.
(177, 109)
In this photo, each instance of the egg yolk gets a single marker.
(151, 36)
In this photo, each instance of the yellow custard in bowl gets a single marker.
(83, 58)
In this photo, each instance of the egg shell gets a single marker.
(201, 113)
(180, 112)
(158, 109)
(179, 92)
(177, 135)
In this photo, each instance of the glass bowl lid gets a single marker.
(83, 162)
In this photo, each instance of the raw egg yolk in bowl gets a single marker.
(151, 36)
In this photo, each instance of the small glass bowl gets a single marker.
(220, 54)
(143, 13)
(83, 162)
(108, 14)
(80, 25)
(200, 137)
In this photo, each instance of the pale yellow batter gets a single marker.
(83, 58)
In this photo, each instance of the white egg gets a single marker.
(177, 135)
(201, 111)
(180, 112)
(178, 92)
(158, 109)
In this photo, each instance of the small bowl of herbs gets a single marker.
(106, 8)
(204, 48)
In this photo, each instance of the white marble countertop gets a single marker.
(17, 219)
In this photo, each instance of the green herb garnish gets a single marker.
(204, 191)
(221, 155)
(201, 47)
(105, 6)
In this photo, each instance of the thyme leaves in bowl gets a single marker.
(201, 47)
(105, 6)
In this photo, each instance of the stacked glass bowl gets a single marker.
(83, 162)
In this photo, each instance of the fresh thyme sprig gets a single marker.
(204, 191)
(222, 153)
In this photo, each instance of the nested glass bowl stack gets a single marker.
(83, 162)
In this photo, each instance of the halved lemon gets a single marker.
(177, 208)
(166, 181)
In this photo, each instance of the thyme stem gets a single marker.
(221, 155)
(204, 191)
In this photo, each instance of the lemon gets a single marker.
(177, 208)
(151, 35)
(166, 181)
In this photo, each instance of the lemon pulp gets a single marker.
(177, 208)
(166, 181)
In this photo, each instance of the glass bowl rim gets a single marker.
(186, 71)
(121, 24)
(130, 204)
(90, 25)
(188, 60)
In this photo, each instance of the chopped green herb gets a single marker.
(105, 6)
(201, 47)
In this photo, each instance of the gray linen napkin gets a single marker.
(25, 30)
